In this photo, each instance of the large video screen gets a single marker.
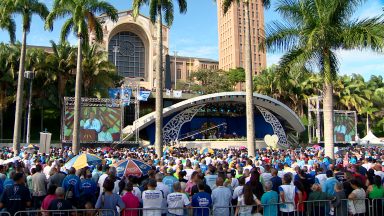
(97, 124)
(344, 128)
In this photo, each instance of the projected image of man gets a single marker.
(92, 123)
(104, 135)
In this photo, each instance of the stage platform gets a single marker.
(220, 144)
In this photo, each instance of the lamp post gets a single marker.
(175, 69)
(30, 75)
(115, 51)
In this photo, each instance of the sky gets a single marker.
(195, 34)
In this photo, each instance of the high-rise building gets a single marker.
(231, 31)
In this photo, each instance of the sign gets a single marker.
(143, 95)
(123, 94)
(168, 92)
(177, 94)
(45, 142)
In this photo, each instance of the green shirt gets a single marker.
(376, 192)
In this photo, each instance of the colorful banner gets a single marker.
(143, 95)
(123, 94)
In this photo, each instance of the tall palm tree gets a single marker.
(7, 23)
(62, 62)
(25, 8)
(248, 71)
(311, 32)
(156, 9)
(82, 20)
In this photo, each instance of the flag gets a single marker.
(177, 94)
(168, 92)
(143, 95)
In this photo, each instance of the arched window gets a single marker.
(126, 50)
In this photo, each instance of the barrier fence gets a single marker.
(344, 207)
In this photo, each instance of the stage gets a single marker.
(220, 144)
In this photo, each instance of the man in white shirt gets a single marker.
(164, 189)
(239, 189)
(152, 199)
(177, 200)
(101, 181)
(221, 198)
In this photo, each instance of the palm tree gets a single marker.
(369, 110)
(82, 20)
(248, 71)
(156, 9)
(8, 23)
(312, 31)
(25, 8)
(99, 74)
(62, 62)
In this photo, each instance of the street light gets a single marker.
(30, 75)
(175, 69)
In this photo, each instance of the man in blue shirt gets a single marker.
(169, 179)
(92, 123)
(276, 180)
(88, 190)
(201, 201)
(71, 185)
(329, 184)
(269, 198)
(221, 198)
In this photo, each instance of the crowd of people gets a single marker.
(274, 182)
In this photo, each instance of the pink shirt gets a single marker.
(47, 200)
(130, 201)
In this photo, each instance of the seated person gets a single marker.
(104, 135)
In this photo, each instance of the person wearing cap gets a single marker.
(60, 203)
(169, 179)
(16, 198)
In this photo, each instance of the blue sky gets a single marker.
(195, 34)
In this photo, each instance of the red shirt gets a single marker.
(130, 201)
(47, 201)
(300, 207)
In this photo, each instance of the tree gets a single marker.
(236, 75)
(82, 20)
(7, 23)
(156, 9)
(25, 8)
(61, 63)
(211, 81)
(99, 74)
(312, 31)
(248, 71)
(369, 110)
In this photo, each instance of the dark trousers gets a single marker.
(37, 201)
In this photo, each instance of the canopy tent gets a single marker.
(370, 138)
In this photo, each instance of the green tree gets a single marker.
(82, 20)
(248, 70)
(25, 8)
(236, 75)
(211, 81)
(7, 23)
(312, 31)
(98, 73)
(156, 10)
(369, 111)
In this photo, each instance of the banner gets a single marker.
(168, 92)
(177, 94)
(143, 95)
(123, 94)
(126, 96)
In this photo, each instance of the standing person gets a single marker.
(60, 203)
(17, 197)
(49, 198)
(177, 200)
(221, 198)
(202, 201)
(164, 190)
(339, 205)
(109, 200)
(169, 179)
(56, 178)
(254, 182)
(152, 199)
(39, 183)
(88, 189)
(130, 201)
(96, 173)
(329, 184)
(276, 180)
(211, 177)
(300, 205)
(71, 185)
(248, 199)
(200, 178)
(269, 198)
(357, 199)
(238, 190)
(287, 195)
(375, 193)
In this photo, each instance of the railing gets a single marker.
(68, 212)
(271, 209)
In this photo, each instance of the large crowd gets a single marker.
(207, 182)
